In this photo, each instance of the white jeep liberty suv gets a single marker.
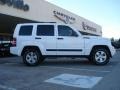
(36, 41)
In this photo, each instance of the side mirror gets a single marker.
(76, 35)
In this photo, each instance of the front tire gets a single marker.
(32, 57)
(100, 56)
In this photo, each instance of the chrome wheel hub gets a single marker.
(31, 57)
(100, 56)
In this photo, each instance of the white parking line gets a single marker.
(9, 63)
(7, 88)
(76, 69)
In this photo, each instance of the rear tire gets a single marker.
(99, 56)
(32, 57)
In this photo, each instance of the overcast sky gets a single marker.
(103, 12)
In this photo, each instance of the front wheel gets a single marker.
(100, 56)
(32, 57)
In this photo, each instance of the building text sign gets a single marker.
(88, 27)
(18, 4)
(63, 17)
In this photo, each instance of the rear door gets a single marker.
(45, 36)
(69, 42)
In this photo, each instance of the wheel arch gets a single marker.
(30, 47)
(101, 46)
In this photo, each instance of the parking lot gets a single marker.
(14, 75)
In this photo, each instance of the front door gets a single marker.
(69, 42)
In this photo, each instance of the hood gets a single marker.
(96, 37)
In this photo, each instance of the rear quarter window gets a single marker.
(26, 30)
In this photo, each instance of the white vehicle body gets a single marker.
(58, 45)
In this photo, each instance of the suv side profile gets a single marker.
(36, 41)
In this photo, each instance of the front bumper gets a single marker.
(113, 50)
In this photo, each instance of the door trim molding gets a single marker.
(67, 50)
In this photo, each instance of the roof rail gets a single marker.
(46, 22)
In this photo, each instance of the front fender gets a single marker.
(90, 43)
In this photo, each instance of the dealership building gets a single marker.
(13, 12)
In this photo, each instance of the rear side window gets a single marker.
(45, 30)
(26, 30)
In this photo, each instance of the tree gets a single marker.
(112, 39)
(115, 43)
(119, 43)
(119, 40)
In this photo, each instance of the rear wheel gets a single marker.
(32, 57)
(99, 56)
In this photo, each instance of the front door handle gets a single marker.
(60, 38)
(38, 38)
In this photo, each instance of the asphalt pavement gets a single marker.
(59, 74)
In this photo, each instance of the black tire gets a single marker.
(32, 57)
(99, 56)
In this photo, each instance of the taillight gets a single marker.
(13, 42)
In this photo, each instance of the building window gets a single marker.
(26, 30)
(45, 30)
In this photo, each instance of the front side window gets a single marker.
(66, 31)
(26, 30)
(45, 30)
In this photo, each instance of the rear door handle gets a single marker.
(60, 38)
(38, 38)
(86, 38)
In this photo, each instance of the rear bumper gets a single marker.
(14, 51)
